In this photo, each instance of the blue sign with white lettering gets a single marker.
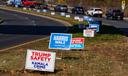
(87, 18)
(77, 46)
(60, 41)
(94, 26)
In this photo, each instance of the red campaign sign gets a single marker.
(77, 41)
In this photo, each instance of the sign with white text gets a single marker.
(77, 43)
(60, 41)
(62, 14)
(40, 60)
(94, 26)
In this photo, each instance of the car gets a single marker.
(77, 10)
(114, 14)
(97, 12)
(61, 8)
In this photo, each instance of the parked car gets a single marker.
(95, 12)
(114, 14)
(77, 10)
(61, 8)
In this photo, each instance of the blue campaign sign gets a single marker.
(60, 41)
(87, 18)
(77, 46)
(94, 26)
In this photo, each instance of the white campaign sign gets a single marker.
(81, 19)
(40, 60)
(76, 18)
(52, 13)
(68, 16)
(24, 8)
(88, 33)
(38, 11)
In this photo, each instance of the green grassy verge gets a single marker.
(104, 55)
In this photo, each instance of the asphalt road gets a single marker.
(121, 24)
(19, 28)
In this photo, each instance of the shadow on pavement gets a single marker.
(104, 29)
(34, 30)
(47, 30)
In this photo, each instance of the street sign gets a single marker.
(77, 43)
(40, 60)
(60, 41)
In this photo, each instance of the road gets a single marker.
(19, 28)
(121, 24)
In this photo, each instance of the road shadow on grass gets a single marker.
(34, 30)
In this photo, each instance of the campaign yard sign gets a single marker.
(88, 33)
(77, 43)
(60, 41)
(40, 60)
(87, 18)
(94, 26)
(62, 14)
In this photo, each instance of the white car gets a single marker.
(95, 12)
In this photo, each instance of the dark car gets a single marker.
(114, 14)
(61, 8)
(78, 10)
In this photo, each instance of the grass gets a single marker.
(104, 55)
(101, 58)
